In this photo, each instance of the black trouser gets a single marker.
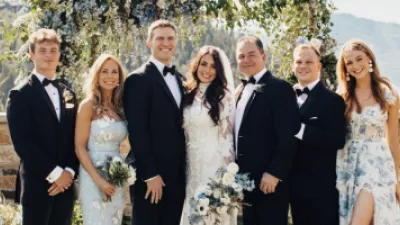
(168, 211)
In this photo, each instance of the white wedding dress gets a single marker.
(207, 145)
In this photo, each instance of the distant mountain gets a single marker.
(383, 38)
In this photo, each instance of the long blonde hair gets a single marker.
(347, 88)
(92, 87)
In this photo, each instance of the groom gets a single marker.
(153, 108)
(41, 117)
(267, 118)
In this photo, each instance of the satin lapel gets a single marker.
(62, 103)
(311, 98)
(263, 83)
(43, 93)
(160, 79)
(179, 79)
(239, 92)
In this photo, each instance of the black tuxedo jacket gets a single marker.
(41, 141)
(266, 140)
(155, 125)
(314, 168)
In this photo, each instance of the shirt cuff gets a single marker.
(71, 171)
(150, 179)
(54, 175)
(301, 132)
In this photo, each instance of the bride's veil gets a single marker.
(227, 69)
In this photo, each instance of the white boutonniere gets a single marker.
(68, 96)
(259, 87)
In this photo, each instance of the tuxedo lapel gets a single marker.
(62, 102)
(311, 98)
(179, 79)
(255, 93)
(159, 77)
(239, 92)
(42, 92)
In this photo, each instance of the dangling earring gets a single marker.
(347, 76)
(371, 69)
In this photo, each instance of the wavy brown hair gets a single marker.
(215, 91)
(348, 87)
(92, 87)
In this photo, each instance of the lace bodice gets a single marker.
(201, 130)
(370, 124)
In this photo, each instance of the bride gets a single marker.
(208, 116)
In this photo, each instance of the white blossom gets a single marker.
(233, 168)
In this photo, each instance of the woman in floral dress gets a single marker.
(368, 165)
(100, 129)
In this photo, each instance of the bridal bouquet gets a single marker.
(220, 196)
(116, 171)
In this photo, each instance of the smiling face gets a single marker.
(306, 66)
(163, 44)
(357, 64)
(206, 71)
(109, 75)
(45, 57)
(249, 58)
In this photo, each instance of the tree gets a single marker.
(90, 27)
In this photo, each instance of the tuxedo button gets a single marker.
(240, 136)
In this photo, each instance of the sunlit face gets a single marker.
(109, 75)
(163, 44)
(45, 57)
(306, 66)
(357, 63)
(249, 58)
(206, 71)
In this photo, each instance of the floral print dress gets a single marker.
(106, 135)
(366, 163)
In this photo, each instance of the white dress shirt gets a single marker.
(241, 105)
(170, 80)
(300, 101)
(55, 99)
(172, 84)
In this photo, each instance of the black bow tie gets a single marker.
(304, 91)
(169, 70)
(249, 81)
(47, 82)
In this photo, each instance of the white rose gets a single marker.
(233, 168)
(217, 193)
(228, 179)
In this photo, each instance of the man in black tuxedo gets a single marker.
(153, 108)
(41, 116)
(314, 197)
(267, 118)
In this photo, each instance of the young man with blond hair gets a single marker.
(153, 109)
(41, 117)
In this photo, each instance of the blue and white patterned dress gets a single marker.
(106, 135)
(366, 163)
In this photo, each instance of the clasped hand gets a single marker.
(61, 184)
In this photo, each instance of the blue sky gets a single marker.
(382, 10)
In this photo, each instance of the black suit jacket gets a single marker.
(155, 125)
(41, 141)
(266, 135)
(314, 168)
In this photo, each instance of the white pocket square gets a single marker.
(69, 105)
(313, 118)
